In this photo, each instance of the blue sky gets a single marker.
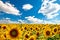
(30, 10)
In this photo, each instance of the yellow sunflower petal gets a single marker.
(33, 37)
(55, 30)
(47, 32)
(13, 32)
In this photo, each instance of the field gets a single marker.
(29, 31)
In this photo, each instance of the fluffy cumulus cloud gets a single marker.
(30, 20)
(8, 8)
(7, 20)
(27, 6)
(33, 20)
(23, 21)
(49, 9)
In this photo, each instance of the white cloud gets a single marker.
(8, 8)
(22, 21)
(29, 20)
(7, 20)
(49, 9)
(33, 20)
(27, 6)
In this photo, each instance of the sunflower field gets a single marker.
(29, 31)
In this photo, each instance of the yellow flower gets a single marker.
(27, 34)
(44, 27)
(47, 32)
(55, 30)
(33, 37)
(40, 25)
(13, 32)
(0, 28)
(25, 26)
(53, 34)
(3, 30)
(38, 33)
(31, 28)
(4, 26)
(22, 28)
(2, 36)
(36, 28)
(59, 30)
(25, 39)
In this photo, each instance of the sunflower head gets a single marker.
(55, 30)
(25, 26)
(33, 37)
(13, 32)
(22, 29)
(31, 28)
(47, 32)
(45, 26)
(4, 26)
(59, 30)
(3, 36)
(27, 34)
(36, 28)
(0, 26)
(37, 33)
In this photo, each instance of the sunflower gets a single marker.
(33, 37)
(4, 26)
(53, 34)
(38, 33)
(37, 28)
(40, 26)
(46, 24)
(44, 27)
(59, 30)
(47, 32)
(3, 30)
(0, 28)
(26, 37)
(13, 32)
(22, 29)
(25, 26)
(31, 28)
(55, 30)
(54, 25)
(27, 34)
(2, 37)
